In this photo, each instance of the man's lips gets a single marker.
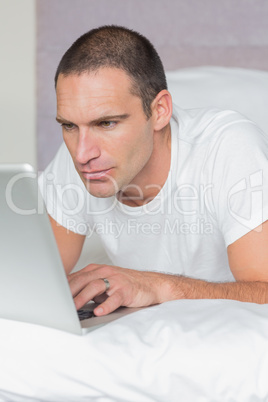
(96, 174)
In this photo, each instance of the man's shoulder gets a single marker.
(203, 125)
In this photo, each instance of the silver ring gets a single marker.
(107, 284)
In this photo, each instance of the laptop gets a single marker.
(33, 284)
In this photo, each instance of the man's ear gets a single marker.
(161, 109)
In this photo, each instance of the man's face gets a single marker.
(105, 129)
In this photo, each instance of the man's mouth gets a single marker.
(96, 174)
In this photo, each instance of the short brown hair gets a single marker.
(118, 47)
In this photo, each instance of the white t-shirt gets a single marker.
(216, 192)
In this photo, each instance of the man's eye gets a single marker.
(67, 126)
(108, 124)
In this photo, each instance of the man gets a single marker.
(179, 198)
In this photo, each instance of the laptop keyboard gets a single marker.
(84, 314)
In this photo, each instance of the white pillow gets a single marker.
(245, 91)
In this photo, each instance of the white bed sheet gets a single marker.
(187, 350)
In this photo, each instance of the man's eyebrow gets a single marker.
(61, 120)
(98, 120)
(109, 118)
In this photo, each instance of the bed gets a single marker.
(185, 350)
(188, 350)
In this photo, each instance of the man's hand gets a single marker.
(128, 287)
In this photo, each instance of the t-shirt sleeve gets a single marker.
(237, 168)
(64, 193)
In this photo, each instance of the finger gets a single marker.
(101, 298)
(91, 272)
(89, 292)
(78, 282)
(109, 305)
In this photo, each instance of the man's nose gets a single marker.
(87, 147)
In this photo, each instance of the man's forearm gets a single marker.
(132, 288)
(180, 287)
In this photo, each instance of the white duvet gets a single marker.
(186, 351)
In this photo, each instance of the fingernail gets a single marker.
(99, 310)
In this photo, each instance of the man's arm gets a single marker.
(248, 256)
(69, 244)
(248, 259)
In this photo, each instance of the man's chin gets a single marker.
(100, 189)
